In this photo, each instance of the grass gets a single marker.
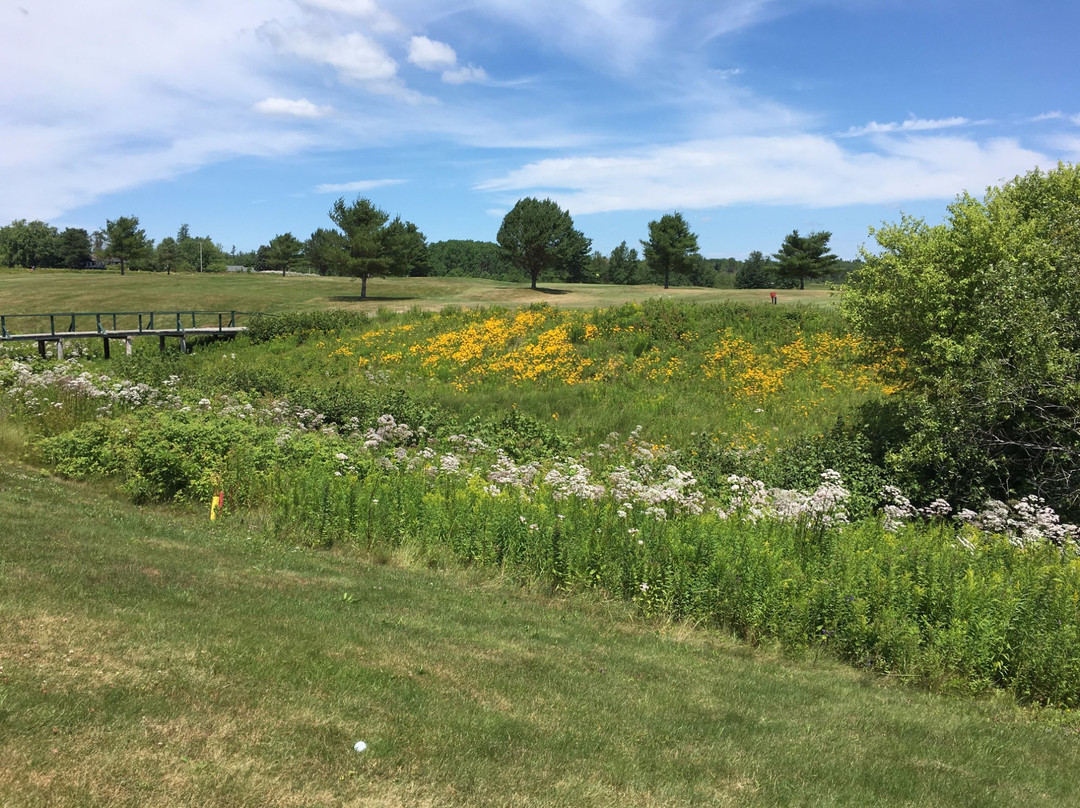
(150, 657)
(23, 292)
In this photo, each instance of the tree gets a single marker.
(598, 269)
(125, 241)
(984, 312)
(325, 251)
(167, 256)
(755, 273)
(73, 248)
(29, 244)
(803, 257)
(372, 247)
(671, 246)
(623, 264)
(407, 248)
(283, 252)
(471, 259)
(196, 253)
(538, 236)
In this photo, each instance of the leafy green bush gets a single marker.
(301, 324)
(161, 455)
(985, 309)
(357, 401)
(520, 436)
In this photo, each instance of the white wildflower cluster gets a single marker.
(471, 445)
(388, 433)
(508, 474)
(569, 478)
(826, 505)
(38, 389)
(897, 509)
(663, 492)
(1027, 523)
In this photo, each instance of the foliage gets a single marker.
(755, 272)
(956, 607)
(301, 324)
(624, 266)
(325, 251)
(196, 253)
(161, 455)
(408, 249)
(802, 257)
(374, 248)
(283, 253)
(127, 242)
(471, 259)
(539, 236)
(29, 244)
(986, 311)
(670, 247)
(167, 255)
(519, 436)
(73, 248)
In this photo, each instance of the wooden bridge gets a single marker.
(126, 325)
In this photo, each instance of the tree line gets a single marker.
(537, 241)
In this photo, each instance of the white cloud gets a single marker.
(909, 125)
(354, 187)
(179, 98)
(292, 108)
(465, 74)
(431, 55)
(798, 169)
(356, 57)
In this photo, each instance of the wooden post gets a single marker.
(60, 349)
(127, 345)
(106, 347)
(41, 347)
(183, 344)
(161, 342)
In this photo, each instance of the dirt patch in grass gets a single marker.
(63, 649)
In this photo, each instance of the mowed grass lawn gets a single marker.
(149, 657)
(24, 292)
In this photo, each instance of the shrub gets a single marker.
(301, 324)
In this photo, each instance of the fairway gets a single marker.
(148, 657)
(24, 292)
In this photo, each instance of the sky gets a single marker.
(246, 119)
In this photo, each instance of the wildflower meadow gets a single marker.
(692, 460)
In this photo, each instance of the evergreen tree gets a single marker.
(671, 247)
(538, 236)
(803, 257)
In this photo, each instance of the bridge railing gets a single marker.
(59, 324)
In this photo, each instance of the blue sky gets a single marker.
(246, 119)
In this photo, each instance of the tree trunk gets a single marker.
(363, 287)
